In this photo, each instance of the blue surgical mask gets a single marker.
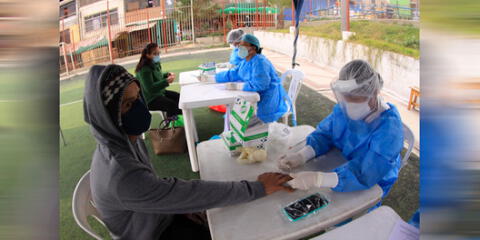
(156, 59)
(242, 52)
(137, 120)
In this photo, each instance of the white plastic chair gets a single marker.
(82, 206)
(293, 90)
(409, 138)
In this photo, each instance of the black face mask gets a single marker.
(137, 120)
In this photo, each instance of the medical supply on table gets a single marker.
(250, 136)
(250, 155)
(231, 142)
(278, 139)
(305, 207)
(207, 72)
(241, 133)
(208, 68)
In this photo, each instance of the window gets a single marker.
(65, 33)
(67, 10)
(99, 20)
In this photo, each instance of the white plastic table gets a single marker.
(204, 95)
(376, 225)
(262, 218)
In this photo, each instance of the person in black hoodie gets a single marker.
(132, 200)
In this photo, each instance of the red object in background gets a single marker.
(219, 108)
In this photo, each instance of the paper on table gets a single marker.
(404, 231)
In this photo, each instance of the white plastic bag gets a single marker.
(278, 140)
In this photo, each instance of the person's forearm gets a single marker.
(173, 195)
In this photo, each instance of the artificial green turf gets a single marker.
(75, 157)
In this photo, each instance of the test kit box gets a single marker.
(254, 136)
(231, 141)
(208, 68)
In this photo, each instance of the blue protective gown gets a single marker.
(259, 75)
(372, 149)
(234, 58)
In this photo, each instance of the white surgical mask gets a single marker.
(357, 111)
(242, 52)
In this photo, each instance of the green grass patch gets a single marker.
(398, 38)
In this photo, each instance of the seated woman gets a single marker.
(257, 74)
(154, 83)
(367, 130)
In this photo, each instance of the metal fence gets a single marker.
(359, 9)
(109, 35)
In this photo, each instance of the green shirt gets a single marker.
(152, 81)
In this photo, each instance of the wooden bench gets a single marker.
(414, 95)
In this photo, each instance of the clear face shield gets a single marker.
(234, 37)
(355, 99)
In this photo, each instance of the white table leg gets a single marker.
(226, 122)
(194, 128)
(190, 136)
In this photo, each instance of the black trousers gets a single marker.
(167, 103)
(184, 228)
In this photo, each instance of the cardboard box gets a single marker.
(231, 141)
(253, 136)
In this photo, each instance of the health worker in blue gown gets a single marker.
(367, 131)
(257, 74)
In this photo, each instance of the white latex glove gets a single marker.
(296, 159)
(290, 160)
(307, 180)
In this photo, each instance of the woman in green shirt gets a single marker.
(154, 83)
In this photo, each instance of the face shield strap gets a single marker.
(381, 107)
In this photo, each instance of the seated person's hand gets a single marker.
(273, 182)
(290, 160)
(171, 77)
